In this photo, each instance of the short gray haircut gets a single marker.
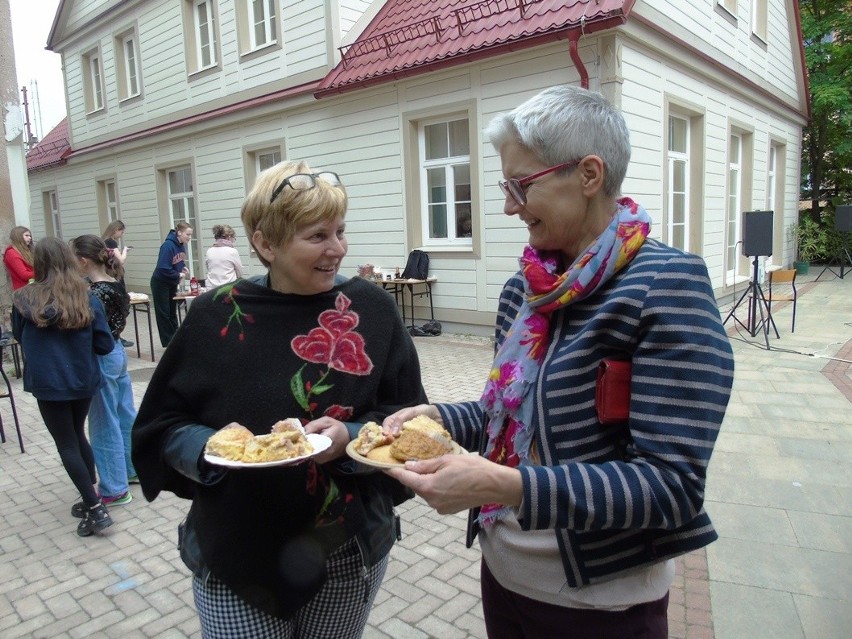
(565, 123)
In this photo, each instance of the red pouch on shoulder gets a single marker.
(612, 391)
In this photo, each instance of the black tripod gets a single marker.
(756, 302)
(842, 256)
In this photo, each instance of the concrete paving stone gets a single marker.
(824, 618)
(398, 629)
(97, 625)
(62, 605)
(467, 584)
(823, 449)
(787, 494)
(59, 628)
(442, 589)
(95, 602)
(28, 628)
(831, 533)
(753, 523)
(167, 621)
(772, 566)
(132, 624)
(389, 608)
(68, 582)
(29, 607)
(435, 627)
(459, 605)
(425, 606)
(405, 590)
(748, 466)
(473, 624)
(769, 614)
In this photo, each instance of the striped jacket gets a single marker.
(623, 496)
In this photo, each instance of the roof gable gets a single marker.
(409, 37)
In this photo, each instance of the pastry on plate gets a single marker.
(229, 442)
(291, 427)
(275, 447)
(370, 436)
(421, 438)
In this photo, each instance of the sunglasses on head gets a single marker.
(305, 181)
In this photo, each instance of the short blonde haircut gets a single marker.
(292, 209)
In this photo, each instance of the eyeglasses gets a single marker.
(305, 181)
(517, 189)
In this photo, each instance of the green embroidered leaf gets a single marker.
(297, 387)
(330, 496)
(317, 390)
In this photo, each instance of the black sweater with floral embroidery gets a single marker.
(251, 355)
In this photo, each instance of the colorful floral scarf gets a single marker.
(509, 396)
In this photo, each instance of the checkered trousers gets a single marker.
(338, 611)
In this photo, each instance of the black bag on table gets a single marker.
(417, 267)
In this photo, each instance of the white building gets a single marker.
(175, 106)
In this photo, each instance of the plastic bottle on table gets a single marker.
(193, 286)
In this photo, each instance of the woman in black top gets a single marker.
(112, 412)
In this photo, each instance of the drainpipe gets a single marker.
(573, 48)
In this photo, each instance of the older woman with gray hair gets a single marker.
(294, 550)
(580, 513)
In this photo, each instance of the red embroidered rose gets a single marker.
(336, 411)
(334, 343)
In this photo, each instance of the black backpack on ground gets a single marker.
(417, 267)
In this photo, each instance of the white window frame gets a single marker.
(266, 158)
(52, 205)
(129, 74)
(676, 157)
(448, 164)
(729, 5)
(182, 209)
(94, 84)
(207, 29)
(733, 235)
(110, 200)
(771, 168)
(261, 16)
(759, 18)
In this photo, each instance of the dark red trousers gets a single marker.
(512, 616)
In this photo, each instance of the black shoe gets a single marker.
(125, 342)
(78, 510)
(95, 520)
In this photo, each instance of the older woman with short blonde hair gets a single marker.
(300, 550)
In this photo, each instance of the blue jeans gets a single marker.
(111, 417)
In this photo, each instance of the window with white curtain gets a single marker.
(445, 179)
(181, 197)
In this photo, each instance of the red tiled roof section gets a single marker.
(52, 150)
(408, 37)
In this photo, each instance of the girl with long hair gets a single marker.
(18, 257)
(112, 411)
(62, 327)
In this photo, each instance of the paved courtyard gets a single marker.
(778, 492)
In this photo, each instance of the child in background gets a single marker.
(112, 412)
(18, 257)
(62, 327)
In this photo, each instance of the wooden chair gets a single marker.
(786, 278)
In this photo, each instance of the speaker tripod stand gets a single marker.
(841, 256)
(756, 303)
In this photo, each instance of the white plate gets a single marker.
(381, 458)
(319, 442)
